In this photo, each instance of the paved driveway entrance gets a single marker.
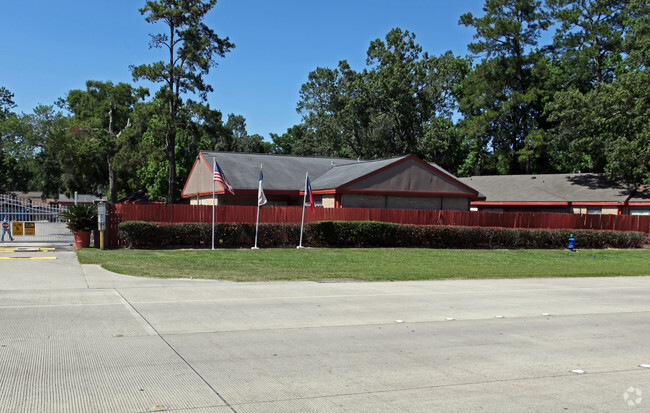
(80, 339)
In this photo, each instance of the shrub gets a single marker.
(138, 234)
(351, 234)
(141, 234)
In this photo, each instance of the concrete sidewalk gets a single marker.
(78, 339)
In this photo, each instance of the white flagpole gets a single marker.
(257, 223)
(214, 165)
(304, 200)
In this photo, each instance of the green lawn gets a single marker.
(368, 264)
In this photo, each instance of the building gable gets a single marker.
(200, 179)
(410, 175)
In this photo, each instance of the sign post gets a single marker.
(101, 221)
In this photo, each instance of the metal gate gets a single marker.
(34, 222)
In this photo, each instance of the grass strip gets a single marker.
(368, 264)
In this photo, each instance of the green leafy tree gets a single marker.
(401, 103)
(209, 129)
(192, 48)
(607, 130)
(7, 163)
(636, 44)
(335, 113)
(15, 169)
(6, 102)
(588, 41)
(502, 98)
(604, 127)
(46, 152)
(241, 140)
(101, 113)
(146, 133)
(204, 129)
(413, 93)
(288, 142)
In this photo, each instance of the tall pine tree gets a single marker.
(501, 99)
(191, 48)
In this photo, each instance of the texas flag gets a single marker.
(310, 196)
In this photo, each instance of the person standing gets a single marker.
(6, 228)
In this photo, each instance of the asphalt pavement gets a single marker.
(78, 338)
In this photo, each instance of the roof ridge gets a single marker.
(366, 161)
(535, 175)
(279, 155)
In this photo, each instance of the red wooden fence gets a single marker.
(247, 214)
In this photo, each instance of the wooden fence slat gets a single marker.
(247, 214)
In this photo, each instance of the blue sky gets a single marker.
(51, 47)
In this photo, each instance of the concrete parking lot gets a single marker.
(81, 339)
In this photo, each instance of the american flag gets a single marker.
(220, 177)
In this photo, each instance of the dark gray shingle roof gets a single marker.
(281, 172)
(342, 174)
(287, 173)
(548, 188)
(641, 195)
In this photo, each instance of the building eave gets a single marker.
(519, 203)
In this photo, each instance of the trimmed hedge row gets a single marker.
(139, 234)
(381, 234)
(142, 234)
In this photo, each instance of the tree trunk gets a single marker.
(171, 156)
(112, 181)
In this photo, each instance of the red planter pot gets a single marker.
(81, 239)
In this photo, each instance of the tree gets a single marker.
(192, 48)
(288, 142)
(48, 153)
(401, 103)
(588, 40)
(203, 129)
(8, 163)
(101, 113)
(636, 45)
(604, 127)
(502, 97)
(6, 102)
(241, 140)
(336, 106)
(147, 133)
(413, 92)
(607, 130)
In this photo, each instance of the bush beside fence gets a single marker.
(293, 214)
(140, 234)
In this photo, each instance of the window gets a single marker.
(594, 210)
